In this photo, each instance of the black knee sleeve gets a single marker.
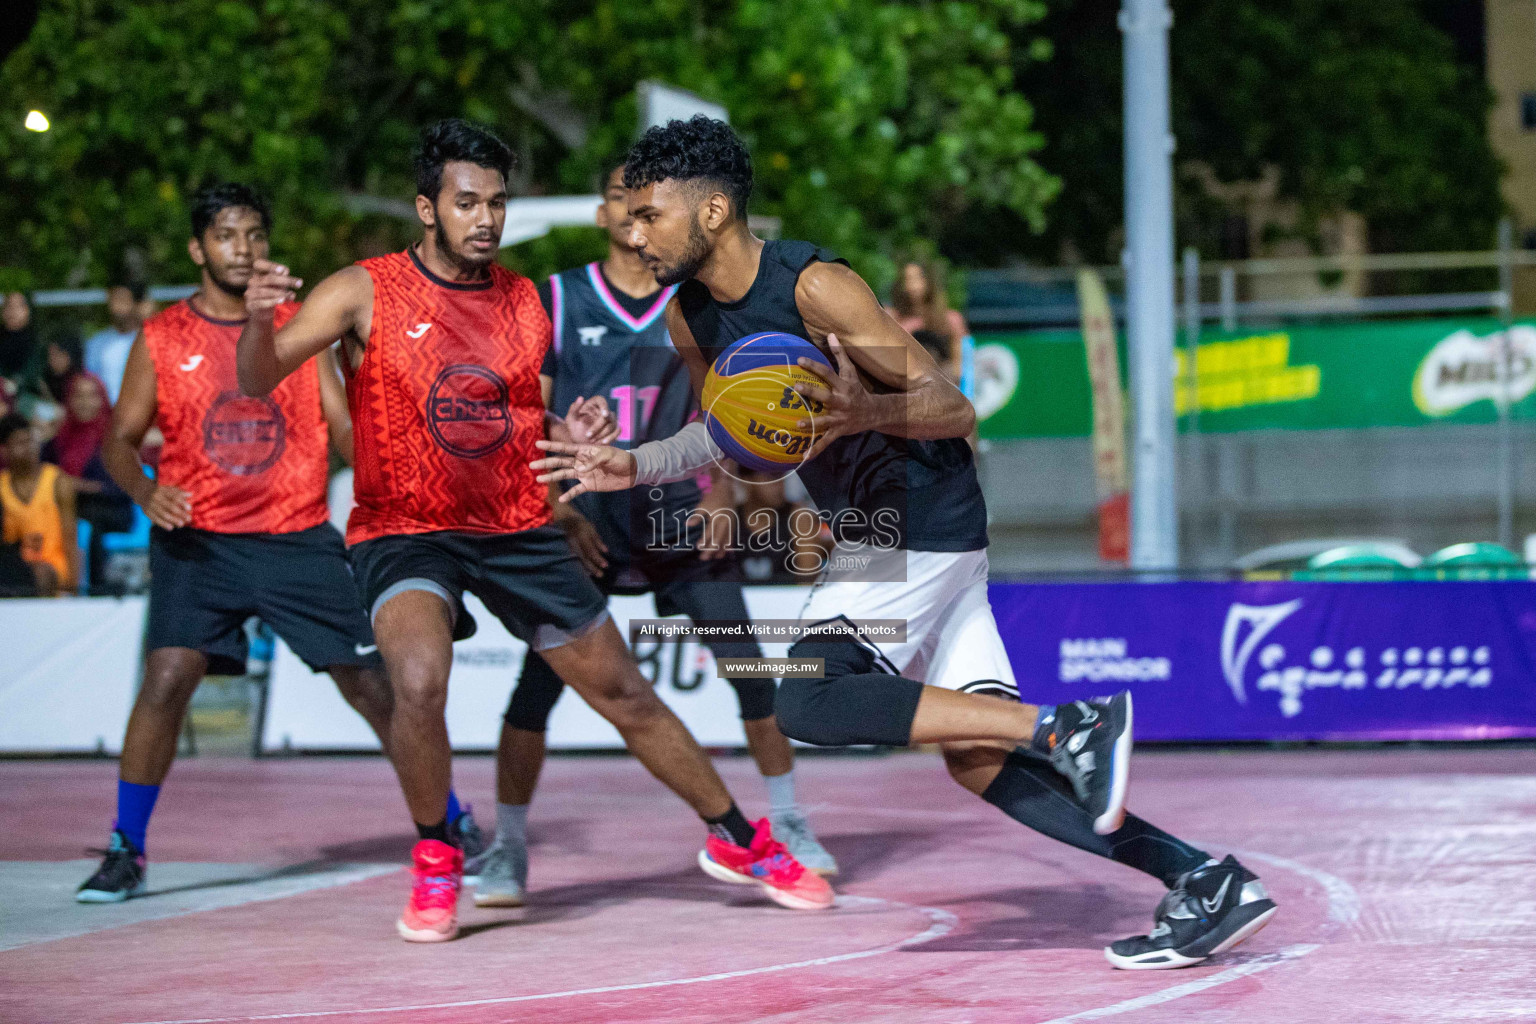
(851, 704)
(534, 696)
(753, 696)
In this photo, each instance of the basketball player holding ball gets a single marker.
(610, 339)
(891, 436)
(443, 352)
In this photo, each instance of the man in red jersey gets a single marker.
(444, 351)
(239, 514)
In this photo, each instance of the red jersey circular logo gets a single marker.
(467, 411)
(243, 435)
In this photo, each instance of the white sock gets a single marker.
(512, 824)
(781, 793)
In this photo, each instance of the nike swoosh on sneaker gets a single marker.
(362, 650)
(1214, 903)
(192, 363)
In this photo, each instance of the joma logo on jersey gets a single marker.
(793, 444)
(591, 335)
(467, 411)
(242, 435)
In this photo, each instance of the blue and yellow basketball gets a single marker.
(751, 408)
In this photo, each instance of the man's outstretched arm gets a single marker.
(340, 306)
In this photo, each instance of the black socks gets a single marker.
(1031, 792)
(732, 827)
(438, 831)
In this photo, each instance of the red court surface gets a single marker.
(1404, 880)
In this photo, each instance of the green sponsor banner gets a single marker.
(1394, 374)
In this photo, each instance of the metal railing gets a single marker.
(1229, 311)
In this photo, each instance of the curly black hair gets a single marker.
(699, 149)
(457, 139)
(207, 203)
(12, 422)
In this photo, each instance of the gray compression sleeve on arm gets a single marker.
(675, 458)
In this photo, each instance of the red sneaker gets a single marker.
(768, 864)
(431, 915)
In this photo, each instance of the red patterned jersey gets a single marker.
(251, 465)
(446, 405)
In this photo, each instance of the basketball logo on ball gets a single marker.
(751, 408)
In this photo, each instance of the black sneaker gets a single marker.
(466, 835)
(120, 876)
(1212, 909)
(1091, 746)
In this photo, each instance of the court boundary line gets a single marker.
(1342, 899)
(1343, 909)
(328, 878)
(940, 923)
(1189, 988)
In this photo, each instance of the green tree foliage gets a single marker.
(1358, 106)
(873, 124)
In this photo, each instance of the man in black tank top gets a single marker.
(610, 341)
(890, 440)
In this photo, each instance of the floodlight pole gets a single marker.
(1149, 264)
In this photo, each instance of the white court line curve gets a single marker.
(940, 923)
(1343, 909)
(1189, 988)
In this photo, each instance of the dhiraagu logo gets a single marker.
(1464, 368)
(1244, 372)
(997, 378)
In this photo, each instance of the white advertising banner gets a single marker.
(70, 671)
(305, 712)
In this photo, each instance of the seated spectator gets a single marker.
(937, 346)
(919, 302)
(61, 361)
(106, 351)
(39, 509)
(18, 341)
(76, 449)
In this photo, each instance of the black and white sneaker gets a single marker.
(1212, 909)
(465, 833)
(120, 876)
(1091, 746)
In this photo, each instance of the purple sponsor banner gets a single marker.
(1284, 661)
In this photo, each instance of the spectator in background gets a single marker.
(106, 352)
(919, 302)
(61, 361)
(76, 449)
(39, 509)
(936, 345)
(18, 341)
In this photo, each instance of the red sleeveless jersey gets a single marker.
(446, 405)
(251, 465)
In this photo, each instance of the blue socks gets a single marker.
(135, 803)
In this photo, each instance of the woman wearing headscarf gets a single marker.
(76, 449)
